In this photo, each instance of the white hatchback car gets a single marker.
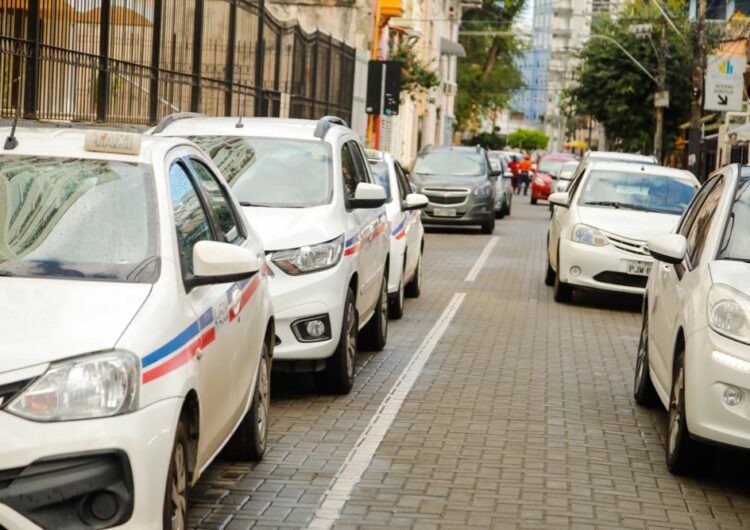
(407, 232)
(599, 228)
(694, 353)
(137, 329)
(306, 187)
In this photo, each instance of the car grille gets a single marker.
(446, 196)
(631, 246)
(10, 390)
(621, 278)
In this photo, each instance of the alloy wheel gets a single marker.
(675, 409)
(178, 488)
(384, 308)
(640, 366)
(264, 391)
(351, 340)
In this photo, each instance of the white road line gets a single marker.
(481, 260)
(358, 460)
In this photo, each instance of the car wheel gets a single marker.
(533, 200)
(563, 291)
(396, 302)
(549, 276)
(684, 455)
(375, 333)
(510, 203)
(414, 287)
(489, 226)
(174, 513)
(338, 376)
(250, 439)
(643, 388)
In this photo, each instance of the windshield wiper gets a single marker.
(618, 205)
(254, 205)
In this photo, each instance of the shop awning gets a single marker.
(576, 144)
(450, 47)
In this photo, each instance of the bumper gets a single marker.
(296, 298)
(475, 213)
(73, 459)
(714, 363)
(540, 193)
(601, 268)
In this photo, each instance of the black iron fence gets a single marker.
(135, 61)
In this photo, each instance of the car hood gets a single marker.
(285, 228)
(448, 180)
(44, 320)
(631, 224)
(735, 274)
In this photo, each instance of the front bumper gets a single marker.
(299, 297)
(707, 376)
(52, 468)
(474, 212)
(601, 268)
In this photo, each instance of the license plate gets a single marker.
(639, 268)
(444, 212)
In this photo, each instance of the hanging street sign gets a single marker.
(724, 83)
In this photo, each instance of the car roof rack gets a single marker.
(176, 116)
(325, 123)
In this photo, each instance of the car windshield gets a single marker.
(380, 172)
(567, 171)
(273, 172)
(77, 219)
(453, 163)
(551, 166)
(735, 244)
(637, 191)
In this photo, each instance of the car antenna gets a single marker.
(11, 142)
(239, 124)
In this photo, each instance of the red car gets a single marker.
(549, 167)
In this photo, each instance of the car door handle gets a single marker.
(236, 301)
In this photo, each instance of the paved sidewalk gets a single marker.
(523, 417)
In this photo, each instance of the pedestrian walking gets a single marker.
(513, 166)
(524, 174)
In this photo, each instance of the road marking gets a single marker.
(359, 458)
(481, 260)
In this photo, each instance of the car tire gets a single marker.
(684, 455)
(549, 276)
(414, 287)
(489, 226)
(563, 291)
(643, 389)
(338, 375)
(396, 302)
(375, 333)
(533, 200)
(174, 511)
(249, 441)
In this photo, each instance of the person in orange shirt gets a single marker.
(524, 174)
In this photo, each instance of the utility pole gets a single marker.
(661, 87)
(696, 109)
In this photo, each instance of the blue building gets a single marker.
(721, 9)
(532, 100)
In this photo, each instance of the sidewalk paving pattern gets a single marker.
(522, 417)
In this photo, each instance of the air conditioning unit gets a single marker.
(449, 88)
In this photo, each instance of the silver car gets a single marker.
(504, 184)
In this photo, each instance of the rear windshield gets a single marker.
(273, 172)
(637, 191)
(77, 219)
(450, 163)
(551, 166)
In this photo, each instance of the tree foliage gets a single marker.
(528, 140)
(491, 141)
(416, 75)
(488, 75)
(616, 93)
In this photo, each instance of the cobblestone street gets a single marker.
(522, 416)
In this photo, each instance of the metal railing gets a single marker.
(136, 61)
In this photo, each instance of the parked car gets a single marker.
(599, 228)
(503, 185)
(694, 352)
(565, 175)
(407, 234)
(307, 188)
(614, 156)
(137, 329)
(460, 185)
(543, 181)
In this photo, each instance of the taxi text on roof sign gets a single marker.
(113, 142)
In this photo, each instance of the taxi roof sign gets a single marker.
(113, 142)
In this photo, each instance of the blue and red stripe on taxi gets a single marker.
(197, 335)
(356, 242)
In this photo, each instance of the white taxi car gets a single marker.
(137, 329)
(694, 353)
(306, 187)
(599, 228)
(407, 232)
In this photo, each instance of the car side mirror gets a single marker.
(215, 262)
(561, 199)
(367, 196)
(670, 248)
(496, 173)
(415, 201)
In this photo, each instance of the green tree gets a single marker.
(529, 140)
(616, 93)
(488, 75)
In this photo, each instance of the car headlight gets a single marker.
(483, 191)
(588, 235)
(728, 312)
(93, 386)
(310, 258)
(539, 181)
